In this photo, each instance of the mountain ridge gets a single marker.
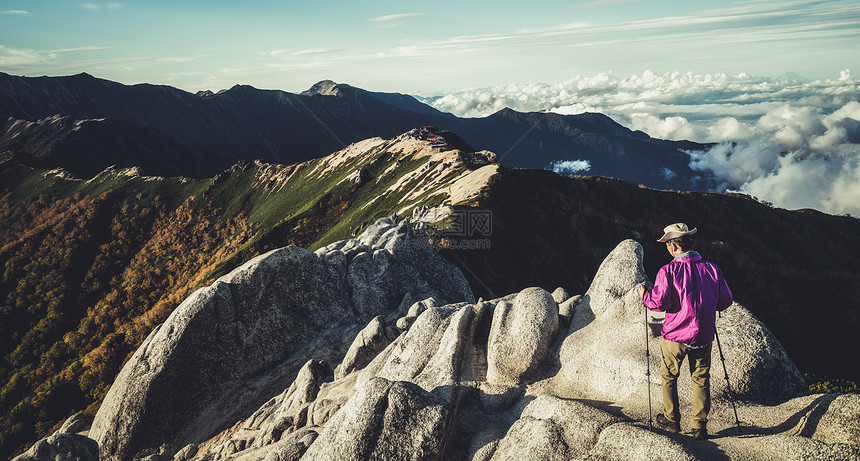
(116, 253)
(245, 123)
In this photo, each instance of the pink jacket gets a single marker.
(691, 291)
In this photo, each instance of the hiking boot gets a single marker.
(700, 434)
(663, 423)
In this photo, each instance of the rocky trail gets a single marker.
(374, 348)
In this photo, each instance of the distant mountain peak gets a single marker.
(325, 88)
(83, 76)
(205, 132)
(242, 88)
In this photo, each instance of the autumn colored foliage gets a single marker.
(84, 280)
(91, 267)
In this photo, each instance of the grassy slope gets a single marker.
(116, 254)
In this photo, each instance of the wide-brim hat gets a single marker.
(673, 231)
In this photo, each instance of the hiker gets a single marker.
(690, 291)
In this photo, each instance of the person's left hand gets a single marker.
(642, 291)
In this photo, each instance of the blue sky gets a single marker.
(711, 71)
(421, 47)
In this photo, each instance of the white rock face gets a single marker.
(393, 420)
(759, 369)
(415, 310)
(626, 441)
(75, 424)
(520, 336)
(474, 381)
(604, 352)
(553, 428)
(369, 342)
(560, 295)
(841, 421)
(450, 358)
(435, 352)
(305, 388)
(233, 345)
(565, 310)
(62, 447)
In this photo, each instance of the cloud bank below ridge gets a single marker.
(785, 140)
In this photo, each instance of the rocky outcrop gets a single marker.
(78, 422)
(759, 370)
(604, 352)
(393, 420)
(305, 388)
(506, 379)
(369, 342)
(62, 446)
(560, 295)
(553, 428)
(565, 310)
(415, 310)
(520, 336)
(840, 422)
(628, 441)
(228, 347)
(68, 443)
(432, 352)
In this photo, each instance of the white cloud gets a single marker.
(569, 167)
(392, 20)
(600, 3)
(78, 48)
(311, 51)
(16, 12)
(14, 58)
(674, 127)
(786, 140)
(179, 59)
(663, 104)
(744, 34)
(273, 53)
(11, 57)
(393, 17)
(668, 173)
(29, 60)
(729, 128)
(96, 7)
(796, 157)
(747, 32)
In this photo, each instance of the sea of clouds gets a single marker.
(786, 140)
(569, 167)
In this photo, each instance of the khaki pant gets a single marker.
(700, 371)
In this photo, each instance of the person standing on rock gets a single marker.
(690, 291)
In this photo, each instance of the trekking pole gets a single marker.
(728, 386)
(648, 369)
